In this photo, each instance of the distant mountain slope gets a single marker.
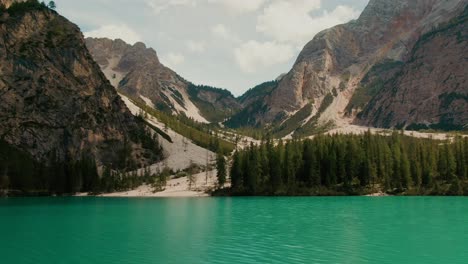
(56, 105)
(251, 101)
(137, 71)
(316, 94)
(431, 89)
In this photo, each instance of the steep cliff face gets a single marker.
(55, 100)
(331, 66)
(136, 70)
(431, 89)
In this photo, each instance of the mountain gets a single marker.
(430, 90)
(57, 106)
(343, 68)
(135, 70)
(251, 102)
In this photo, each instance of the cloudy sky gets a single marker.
(232, 44)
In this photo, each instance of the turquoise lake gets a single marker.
(234, 230)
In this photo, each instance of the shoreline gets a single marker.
(202, 184)
(195, 194)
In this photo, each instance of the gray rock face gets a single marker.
(431, 90)
(337, 59)
(54, 97)
(136, 71)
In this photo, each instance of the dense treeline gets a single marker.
(352, 165)
(21, 174)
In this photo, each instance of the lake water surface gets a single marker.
(234, 230)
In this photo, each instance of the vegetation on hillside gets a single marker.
(207, 109)
(312, 127)
(373, 83)
(351, 165)
(253, 104)
(293, 123)
(260, 90)
(246, 118)
(203, 135)
(459, 20)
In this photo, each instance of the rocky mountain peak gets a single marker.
(135, 70)
(139, 45)
(428, 90)
(120, 56)
(403, 11)
(387, 9)
(332, 66)
(55, 99)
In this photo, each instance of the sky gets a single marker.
(231, 44)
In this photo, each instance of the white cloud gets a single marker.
(240, 6)
(159, 5)
(253, 55)
(290, 21)
(182, 20)
(221, 31)
(173, 59)
(115, 32)
(196, 46)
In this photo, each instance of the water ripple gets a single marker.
(234, 230)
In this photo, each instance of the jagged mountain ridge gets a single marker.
(136, 70)
(331, 67)
(55, 100)
(325, 86)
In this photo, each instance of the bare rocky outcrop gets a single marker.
(136, 70)
(336, 61)
(431, 90)
(55, 99)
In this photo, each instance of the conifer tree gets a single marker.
(52, 5)
(236, 171)
(275, 168)
(352, 162)
(252, 169)
(221, 169)
(405, 170)
(396, 179)
(265, 164)
(288, 166)
(332, 167)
